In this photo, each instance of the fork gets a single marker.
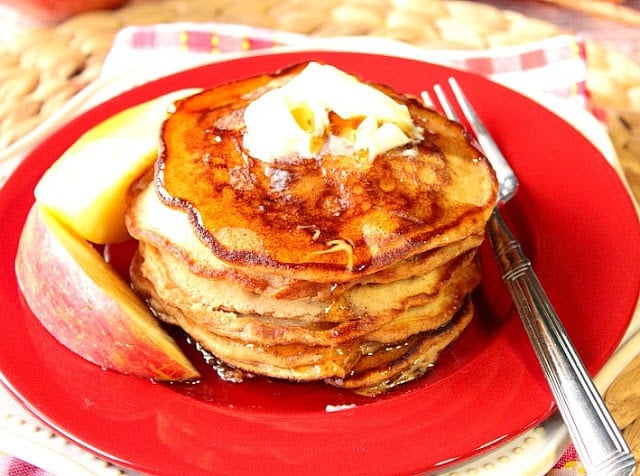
(598, 441)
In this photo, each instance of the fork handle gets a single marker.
(597, 439)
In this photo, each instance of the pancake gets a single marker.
(344, 265)
(303, 351)
(384, 367)
(390, 312)
(150, 220)
(322, 220)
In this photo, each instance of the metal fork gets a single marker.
(598, 441)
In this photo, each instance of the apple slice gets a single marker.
(86, 187)
(88, 308)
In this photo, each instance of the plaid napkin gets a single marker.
(556, 66)
(14, 467)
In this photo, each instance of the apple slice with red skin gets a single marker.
(88, 307)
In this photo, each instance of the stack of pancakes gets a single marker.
(337, 268)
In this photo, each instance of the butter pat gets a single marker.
(292, 122)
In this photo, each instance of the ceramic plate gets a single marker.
(572, 214)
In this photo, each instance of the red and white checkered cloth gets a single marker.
(10, 466)
(555, 66)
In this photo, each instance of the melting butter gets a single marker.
(292, 122)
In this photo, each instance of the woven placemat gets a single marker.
(43, 67)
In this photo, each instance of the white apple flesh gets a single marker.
(86, 187)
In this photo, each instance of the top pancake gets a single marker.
(331, 218)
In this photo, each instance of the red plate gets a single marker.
(576, 222)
